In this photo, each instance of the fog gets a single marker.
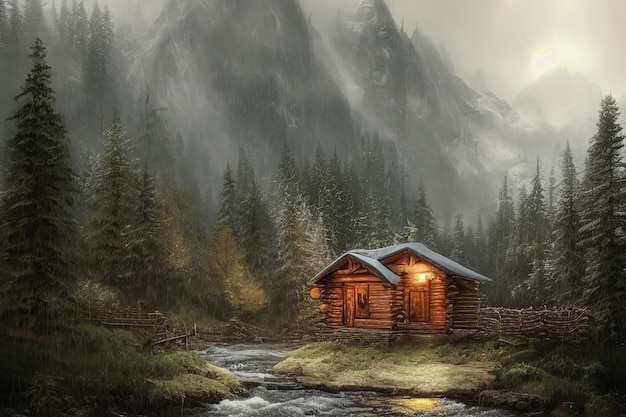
(502, 45)
(508, 43)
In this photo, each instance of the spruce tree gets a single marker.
(227, 213)
(255, 229)
(113, 199)
(423, 220)
(145, 248)
(537, 242)
(459, 247)
(603, 218)
(35, 26)
(568, 257)
(36, 219)
(14, 31)
(4, 27)
(500, 232)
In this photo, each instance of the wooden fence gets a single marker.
(131, 318)
(561, 324)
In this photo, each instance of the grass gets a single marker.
(557, 373)
(89, 365)
(412, 369)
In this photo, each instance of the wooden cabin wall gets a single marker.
(381, 315)
(464, 296)
(409, 267)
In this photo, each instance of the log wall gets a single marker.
(381, 315)
(464, 303)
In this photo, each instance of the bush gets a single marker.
(520, 374)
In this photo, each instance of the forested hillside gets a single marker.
(153, 224)
(209, 170)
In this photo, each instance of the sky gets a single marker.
(507, 43)
(513, 42)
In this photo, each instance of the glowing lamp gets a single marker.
(324, 308)
(422, 276)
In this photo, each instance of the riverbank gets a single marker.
(424, 371)
(89, 370)
(540, 378)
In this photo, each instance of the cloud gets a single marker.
(512, 41)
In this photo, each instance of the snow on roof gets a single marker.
(372, 265)
(372, 260)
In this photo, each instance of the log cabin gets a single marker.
(406, 288)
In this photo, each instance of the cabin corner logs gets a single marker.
(409, 289)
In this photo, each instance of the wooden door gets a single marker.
(349, 305)
(418, 305)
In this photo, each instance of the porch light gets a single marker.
(422, 276)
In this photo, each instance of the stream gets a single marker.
(252, 363)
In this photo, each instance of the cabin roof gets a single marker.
(373, 265)
(372, 259)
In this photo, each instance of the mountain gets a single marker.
(561, 99)
(454, 138)
(238, 74)
(233, 74)
(560, 106)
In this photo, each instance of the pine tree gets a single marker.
(35, 26)
(36, 219)
(4, 27)
(228, 211)
(114, 202)
(603, 222)
(63, 23)
(145, 248)
(97, 69)
(568, 257)
(14, 31)
(78, 32)
(255, 231)
(538, 243)
(500, 232)
(459, 252)
(154, 143)
(423, 220)
(295, 255)
(336, 204)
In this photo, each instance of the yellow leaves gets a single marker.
(243, 293)
(179, 253)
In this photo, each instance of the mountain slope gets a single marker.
(259, 74)
(445, 133)
(240, 73)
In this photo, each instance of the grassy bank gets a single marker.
(419, 370)
(96, 370)
(556, 374)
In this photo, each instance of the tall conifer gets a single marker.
(36, 218)
(603, 219)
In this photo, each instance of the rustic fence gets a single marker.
(562, 324)
(131, 318)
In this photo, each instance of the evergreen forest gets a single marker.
(99, 207)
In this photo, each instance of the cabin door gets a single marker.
(349, 305)
(418, 305)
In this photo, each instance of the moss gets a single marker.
(414, 369)
(187, 387)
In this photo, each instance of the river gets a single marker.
(252, 363)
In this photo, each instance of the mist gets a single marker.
(505, 45)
